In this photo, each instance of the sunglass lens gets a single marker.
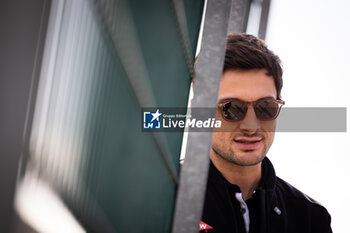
(234, 110)
(266, 110)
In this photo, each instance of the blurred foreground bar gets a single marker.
(85, 162)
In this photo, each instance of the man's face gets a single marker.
(245, 142)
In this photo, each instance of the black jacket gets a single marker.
(275, 207)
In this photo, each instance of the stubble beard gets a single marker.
(231, 157)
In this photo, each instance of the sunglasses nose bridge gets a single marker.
(250, 122)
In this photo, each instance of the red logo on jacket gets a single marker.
(204, 226)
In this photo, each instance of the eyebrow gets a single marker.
(224, 100)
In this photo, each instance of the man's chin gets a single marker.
(249, 158)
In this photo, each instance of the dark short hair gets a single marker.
(247, 52)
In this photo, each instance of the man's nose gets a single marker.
(250, 123)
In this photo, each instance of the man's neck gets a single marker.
(245, 177)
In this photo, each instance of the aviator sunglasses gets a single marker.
(266, 109)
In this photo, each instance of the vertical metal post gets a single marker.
(265, 8)
(222, 16)
(239, 15)
(193, 178)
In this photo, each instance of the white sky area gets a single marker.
(312, 38)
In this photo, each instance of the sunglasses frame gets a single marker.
(253, 104)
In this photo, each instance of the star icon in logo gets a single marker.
(156, 115)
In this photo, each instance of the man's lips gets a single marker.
(248, 143)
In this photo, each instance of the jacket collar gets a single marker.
(266, 194)
(268, 175)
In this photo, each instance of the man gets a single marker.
(243, 193)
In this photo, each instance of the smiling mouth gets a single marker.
(246, 141)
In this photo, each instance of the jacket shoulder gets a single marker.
(301, 209)
(290, 192)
